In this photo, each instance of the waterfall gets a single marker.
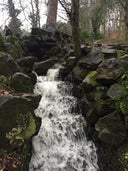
(61, 143)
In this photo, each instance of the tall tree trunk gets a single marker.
(126, 20)
(75, 27)
(52, 14)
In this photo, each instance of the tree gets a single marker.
(52, 14)
(35, 14)
(14, 23)
(75, 27)
(97, 17)
(124, 5)
(72, 10)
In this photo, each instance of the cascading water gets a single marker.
(61, 144)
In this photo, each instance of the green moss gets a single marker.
(17, 136)
(124, 160)
(92, 74)
(91, 78)
(30, 129)
(120, 53)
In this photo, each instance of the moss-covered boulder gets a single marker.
(21, 83)
(7, 65)
(78, 74)
(89, 81)
(115, 91)
(26, 63)
(14, 113)
(14, 46)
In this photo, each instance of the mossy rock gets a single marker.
(78, 74)
(13, 113)
(22, 134)
(21, 83)
(7, 65)
(90, 80)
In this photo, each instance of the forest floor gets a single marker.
(10, 162)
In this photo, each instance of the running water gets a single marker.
(61, 144)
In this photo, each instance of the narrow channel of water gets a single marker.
(61, 143)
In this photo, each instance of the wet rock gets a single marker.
(78, 74)
(21, 83)
(92, 62)
(7, 65)
(14, 112)
(26, 63)
(41, 68)
(33, 77)
(84, 106)
(63, 72)
(70, 62)
(97, 110)
(77, 91)
(111, 129)
(89, 81)
(109, 70)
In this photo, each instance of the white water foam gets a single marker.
(61, 144)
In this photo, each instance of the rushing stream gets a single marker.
(61, 143)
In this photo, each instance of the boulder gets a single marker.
(115, 91)
(63, 72)
(111, 129)
(7, 65)
(66, 70)
(85, 50)
(41, 68)
(89, 81)
(77, 91)
(26, 63)
(108, 159)
(78, 74)
(109, 70)
(108, 53)
(97, 109)
(14, 111)
(91, 62)
(84, 106)
(70, 62)
(21, 83)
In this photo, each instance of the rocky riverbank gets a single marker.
(100, 85)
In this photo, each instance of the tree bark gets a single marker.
(52, 14)
(126, 20)
(75, 27)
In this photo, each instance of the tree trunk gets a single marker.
(126, 21)
(52, 14)
(75, 27)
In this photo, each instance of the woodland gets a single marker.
(89, 39)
